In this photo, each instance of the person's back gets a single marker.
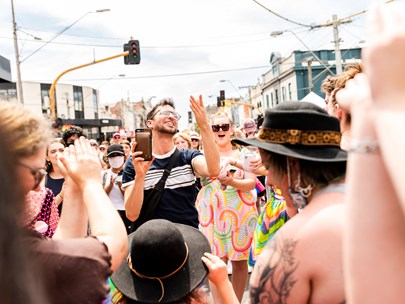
(305, 257)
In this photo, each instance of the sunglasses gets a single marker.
(94, 145)
(167, 113)
(224, 127)
(38, 174)
(195, 139)
(117, 137)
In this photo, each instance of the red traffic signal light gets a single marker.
(134, 52)
(222, 95)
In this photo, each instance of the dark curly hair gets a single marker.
(70, 132)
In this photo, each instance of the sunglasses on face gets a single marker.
(167, 113)
(94, 145)
(195, 139)
(216, 128)
(38, 174)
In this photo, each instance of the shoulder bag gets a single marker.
(151, 201)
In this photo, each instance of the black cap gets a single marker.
(116, 148)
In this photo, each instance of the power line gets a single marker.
(168, 75)
(282, 17)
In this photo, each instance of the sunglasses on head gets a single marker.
(38, 174)
(216, 128)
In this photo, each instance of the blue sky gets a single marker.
(187, 46)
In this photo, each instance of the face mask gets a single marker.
(116, 161)
(300, 195)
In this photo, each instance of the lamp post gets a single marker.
(20, 97)
(230, 82)
(64, 30)
(278, 33)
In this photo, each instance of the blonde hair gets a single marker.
(30, 131)
(221, 114)
(183, 135)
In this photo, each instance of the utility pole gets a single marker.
(310, 82)
(20, 97)
(338, 56)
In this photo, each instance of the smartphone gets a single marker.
(143, 138)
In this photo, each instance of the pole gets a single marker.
(52, 90)
(20, 96)
(338, 56)
(310, 82)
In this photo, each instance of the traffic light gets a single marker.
(220, 103)
(134, 52)
(190, 117)
(221, 99)
(222, 95)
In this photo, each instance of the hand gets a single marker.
(217, 269)
(140, 165)
(384, 57)
(225, 180)
(197, 106)
(81, 163)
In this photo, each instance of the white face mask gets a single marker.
(116, 161)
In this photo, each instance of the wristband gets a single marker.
(364, 146)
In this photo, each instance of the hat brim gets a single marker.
(176, 286)
(324, 154)
(115, 152)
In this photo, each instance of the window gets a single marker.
(276, 97)
(78, 102)
(283, 93)
(272, 99)
(267, 101)
(289, 92)
(45, 98)
(95, 104)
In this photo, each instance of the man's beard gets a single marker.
(165, 130)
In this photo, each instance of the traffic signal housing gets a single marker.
(221, 99)
(134, 52)
(222, 95)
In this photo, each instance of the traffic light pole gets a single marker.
(53, 86)
(239, 103)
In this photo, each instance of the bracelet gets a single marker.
(364, 146)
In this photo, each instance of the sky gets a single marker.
(187, 46)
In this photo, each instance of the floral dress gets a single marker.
(227, 217)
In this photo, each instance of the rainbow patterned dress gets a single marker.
(270, 220)
(227, 217)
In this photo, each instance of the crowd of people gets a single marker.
(310, 198)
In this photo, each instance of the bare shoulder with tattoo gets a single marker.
(302, 263)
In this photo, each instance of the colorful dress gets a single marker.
(227, 217)
(272, 217)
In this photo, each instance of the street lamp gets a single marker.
(64, 30)
(278, 33)
(230, 82)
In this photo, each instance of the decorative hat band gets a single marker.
(129, 261)
(300, 137)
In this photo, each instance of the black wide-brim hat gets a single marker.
(164, 250)
(301, 130)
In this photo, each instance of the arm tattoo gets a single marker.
(276, 276)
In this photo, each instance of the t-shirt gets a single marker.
(115, 195)
(177, 202)
(72, 270)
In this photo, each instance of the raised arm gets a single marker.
(375, 163)
(82, 165)
(133, 196)
(218, 275)
(209, 166)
